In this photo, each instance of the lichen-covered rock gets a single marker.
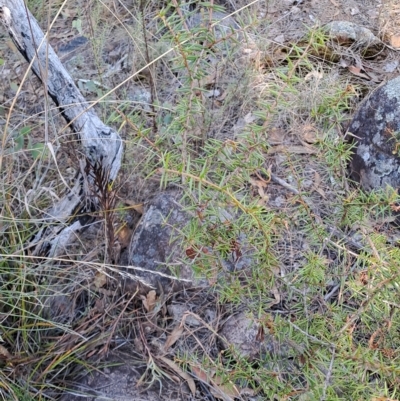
(242, 332)
(222, 22)
(376, 130)
(156, 246)
(346, 31)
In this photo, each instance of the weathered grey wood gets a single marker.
(101, 145)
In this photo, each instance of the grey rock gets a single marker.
(376, 129)
(241, 332)
(391, 66)
(178, 310)
(156, 246)
(349, 31)
(224, 24)
(140, 96)
(223, 27)
(72, 45)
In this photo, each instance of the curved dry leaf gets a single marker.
(173, 337)
(225, 392)
(200, 374)
(395, 41)
(357, 71)
(100, 280)
(180, 372)
(4, 354)
(150, 301)
(309, 133)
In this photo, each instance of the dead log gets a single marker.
(101, 146)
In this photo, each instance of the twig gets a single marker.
(158, 273)
(328, 375)
(315, 339)
(284, 184)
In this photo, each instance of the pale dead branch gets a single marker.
(101, 146)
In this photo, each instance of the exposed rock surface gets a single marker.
(345, 31)
(376, 129)
(156, 245)
(223, 24)
(242, 331)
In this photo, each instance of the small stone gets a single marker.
(241, 332)
(178, 310)
(354, 11)
(391, 66)
(280, 39)
(279, 201)
(306, 184)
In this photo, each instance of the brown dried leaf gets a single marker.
(260, 184)
(4, 354)
(100, 280)
(226, 392)
(316, 186)
(191, 253)
(357, 71)
(138, 207)
(173, 337)
(150, 301)
(180, 372)
(276, 136)
(124, 236)
(200, 374)
(277, 294)
(309, 134)
(395, 41)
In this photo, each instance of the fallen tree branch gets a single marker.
(101, 145)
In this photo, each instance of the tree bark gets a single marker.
(101, 145)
